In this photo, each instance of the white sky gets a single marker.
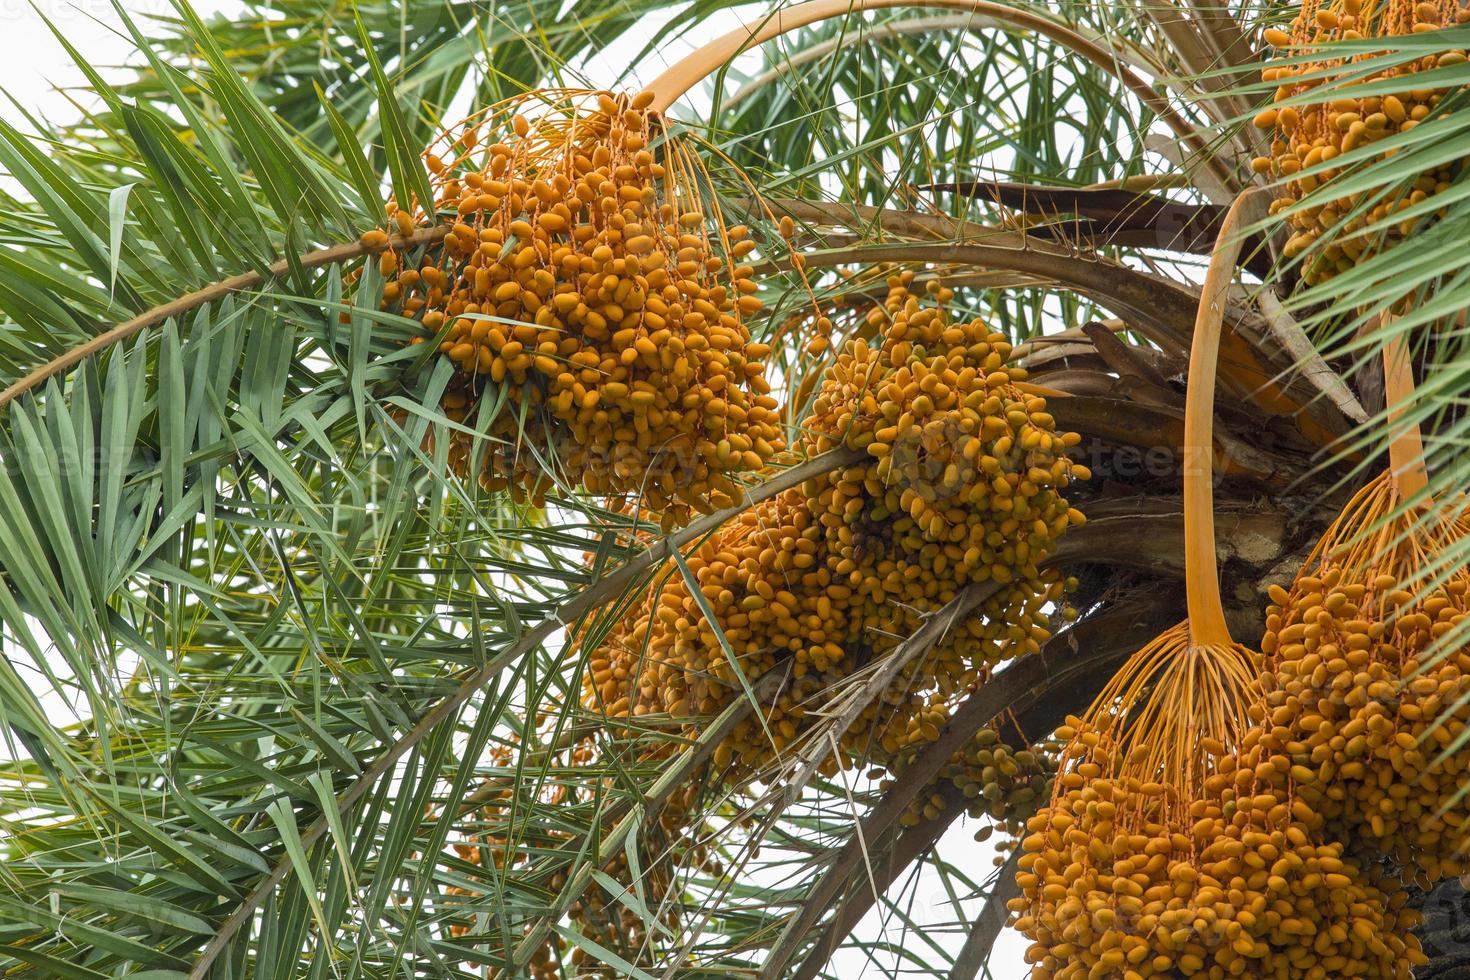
(36, 68)
(36, 64)
(36, 72)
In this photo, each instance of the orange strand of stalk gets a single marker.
(797, 260)
(697, 171)
(1210, 684)
(454, 135)
(1202, 581)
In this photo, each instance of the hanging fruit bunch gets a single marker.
(590, 285)
(665, 845)
(827, 578)
(1160, 855)
(1368, 682)
(610, 922)
(999, 783)
(485, 854)
(962, 483)
(1308, 134)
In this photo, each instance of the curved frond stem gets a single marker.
(935, 628)
(893, 29)
(988, 922)
(1028, 688)
(1162, 309)
(705, 61)
(332, 255)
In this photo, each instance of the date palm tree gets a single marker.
(284, 695)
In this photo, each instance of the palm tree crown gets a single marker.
(428, 590)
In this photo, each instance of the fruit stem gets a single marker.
(689, 71)
(1201, 575)
(1406, 451)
